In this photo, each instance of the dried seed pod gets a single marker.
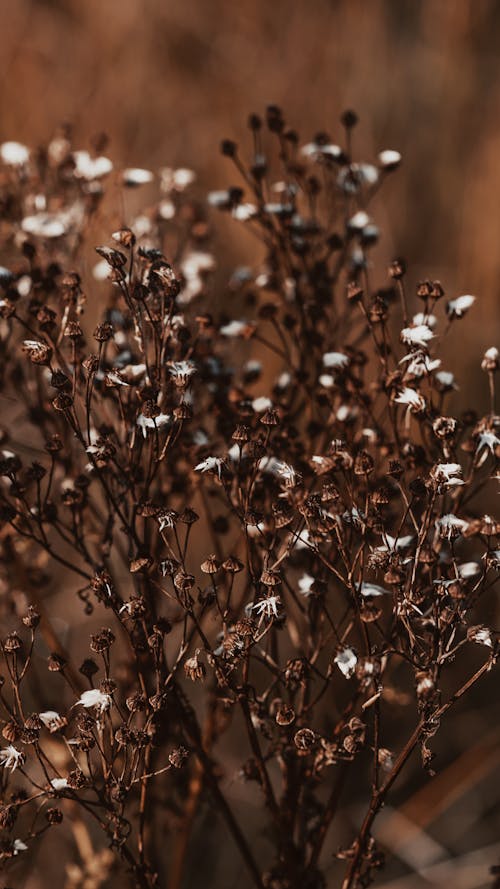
(178, 757)
(232, 565)
(211, 565)
(12, 643)
(305, 739)
(285, 715)
(194, 668)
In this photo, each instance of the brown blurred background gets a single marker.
(166, 80)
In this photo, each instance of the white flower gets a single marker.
(11, 758)
(52, 720)
(146, 423)
(419, 363)
(487, 440)
(14, 154)
(305, 585)
(467, 570)
(335, 359)
(389, 159)
(243, 212)
(447, 474)
(346, 412)
(450, 526)
(115, 378)
(95, 698)
(372, 589)
(314, 150)
(236, 328)
(394, 544)
(182, 370)
(45, 225)
(261, 404)
(350, 179)
(446, 379)
(288, 473)
(19, 846)
(137, 176)
(166, 209)
(210, 464)
(419, 335)
(252, 367)
(481, 635)
(268, 607)
(358, 222)
(424, 318)
(176, 180)
(166, 519)
(326, 380)
(59, 783)
(91, 168)
(491, 354)
(456, 308)
(346, 661)
(411, 399)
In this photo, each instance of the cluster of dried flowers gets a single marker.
(277, 507)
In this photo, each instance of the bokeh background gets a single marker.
(166, 80)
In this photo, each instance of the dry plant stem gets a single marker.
(379, 795)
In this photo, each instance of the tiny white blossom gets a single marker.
(487, 440)
(419, 363)
(305, 585)
(372, 589)
(11, 758)
(115, 378)
(315, 150)
(14, 154)
(450, 526)
(261, 404)
(394, 544)
(419, 335)
(59, 783)
(424, 318)
(45, 225)
(412, 400)
(176, 180)
(243, 212)
(91, 168)
(491, 354)
(137, 176)
(346, 661)
(52, 720)
(288, 473)
(358, 222)
(447, 475)
(389, 159)
(481, 635)
(210, 464)
(19, 846)
(146, 423)
(456, 308)
(446, 379)
(236, 328)
(468, 570)
(335, 360)
(326, 380)
(95, 698)
(182, 370)
(268, 607)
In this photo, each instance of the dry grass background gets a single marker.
(166, 80)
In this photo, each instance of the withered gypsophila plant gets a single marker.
(274, 517)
